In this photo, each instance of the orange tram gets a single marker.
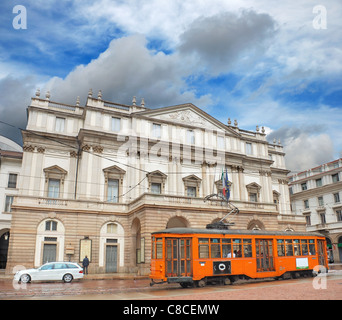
(194, 257)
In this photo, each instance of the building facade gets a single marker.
(10, 166)
(317, 195)
(97, 179)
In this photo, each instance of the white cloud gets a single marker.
(307, 151)
(215, 43)
(126, 69)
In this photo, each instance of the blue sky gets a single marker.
(274, 66)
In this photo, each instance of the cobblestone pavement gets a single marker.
(320, 288)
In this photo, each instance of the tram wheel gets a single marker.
(201, 283)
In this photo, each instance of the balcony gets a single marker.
(149, 199)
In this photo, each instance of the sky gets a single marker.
(277, 65)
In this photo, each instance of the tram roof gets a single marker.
(236, 232)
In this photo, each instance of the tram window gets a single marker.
(159, 248)
(304, 244)
(227, 248)
(203, 248)
(153, 249)
(215, 248)
(188, 249)
(237, 248)
(281, 248)
(289, 248)
(296, 247)
(312, 250)
(168, 249)
(247, 248)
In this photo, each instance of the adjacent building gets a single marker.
(317, 195)
(10, 165)
(97, 179)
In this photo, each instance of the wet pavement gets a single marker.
(319, 288)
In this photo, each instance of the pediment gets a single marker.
(188, 114)
(157, 173)
(55, 170)
(192, 178)
(253, 185)
(114, 169)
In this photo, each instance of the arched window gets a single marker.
(50, 225)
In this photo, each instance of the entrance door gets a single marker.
(178, 257)
(3, 250)
(111, 258)
(264, 253)
(49, 252)
(321, 253)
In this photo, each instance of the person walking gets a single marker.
(85, 264)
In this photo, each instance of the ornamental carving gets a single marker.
(28, 148)
(97, 149)
(187, 116)
(40, 149)
(85, 147)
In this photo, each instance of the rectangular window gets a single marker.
(335, 178)
(159, 248)
(319, 182)
(322, 216)
(281, 248)
(296, 247)
(156, 130)
(227, 248)
(308, 220)
(306, 204)
(320, 201)
(289, 248)
(156, 188)
(304, 186)
(237, 247)
(339, 215)
(116, 124)
(113, 190)
(305, 249)
(53, 188)
(253, 197)
(203, 248)
(249, 149)
(8, 203)
(312, 250)
(60, 123)
(190, 137)
(12, 180)
(215, 248)
(191, 192)
(336, 197)
(247, 248)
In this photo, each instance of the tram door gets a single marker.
(264, 253)
(178, 257)
(321, 251)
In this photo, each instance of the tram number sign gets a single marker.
(221, 267)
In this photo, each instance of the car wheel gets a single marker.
(67, 278)
(25, 278)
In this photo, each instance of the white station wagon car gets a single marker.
(66, 271)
